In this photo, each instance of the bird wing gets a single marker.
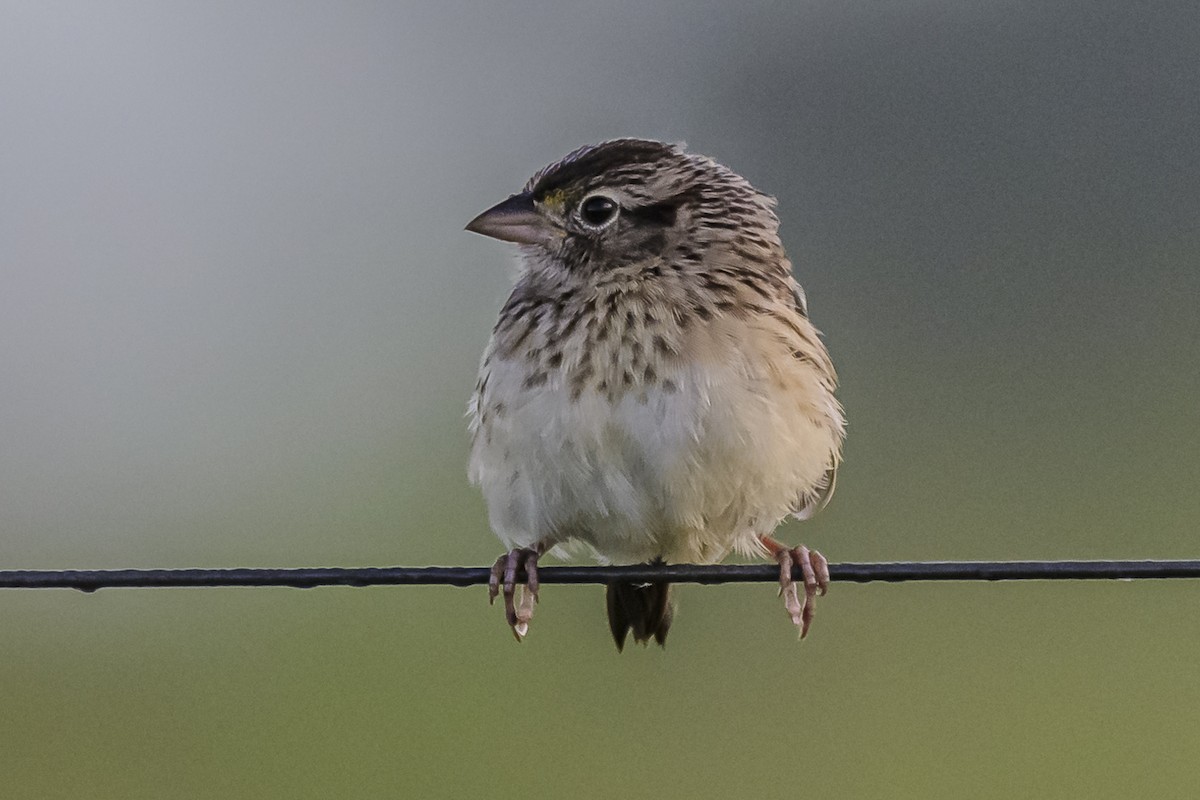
(817, 498)
(813, 501)
(800, 298)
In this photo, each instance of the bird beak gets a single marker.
(514, 220)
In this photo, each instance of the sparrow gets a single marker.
(653, 389)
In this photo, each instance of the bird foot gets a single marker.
(815, 571)
(505, 571)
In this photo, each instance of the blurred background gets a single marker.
(239, 322)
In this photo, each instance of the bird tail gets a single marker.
(644, 608)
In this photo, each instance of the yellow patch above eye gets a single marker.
(555, 199)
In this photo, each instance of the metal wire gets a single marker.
(893, 572)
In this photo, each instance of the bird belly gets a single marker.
(557, 469)
(686, 471)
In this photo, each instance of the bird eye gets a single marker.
(598, 210)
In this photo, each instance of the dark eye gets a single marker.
(598, 210)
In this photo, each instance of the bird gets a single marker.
(653, 389)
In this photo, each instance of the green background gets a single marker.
(239, 322)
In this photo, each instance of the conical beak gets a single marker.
(514, 220)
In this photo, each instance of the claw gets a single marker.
(804, 556)
(524, 613)
(531, 574)
(494, 578)
(822, 569)
(787, 587)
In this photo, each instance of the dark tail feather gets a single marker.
(644, 608)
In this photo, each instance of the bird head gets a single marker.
(627, 201)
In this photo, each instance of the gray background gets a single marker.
(239, 322)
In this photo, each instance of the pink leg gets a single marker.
(814, 570)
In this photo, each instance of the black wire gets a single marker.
(91, 580)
